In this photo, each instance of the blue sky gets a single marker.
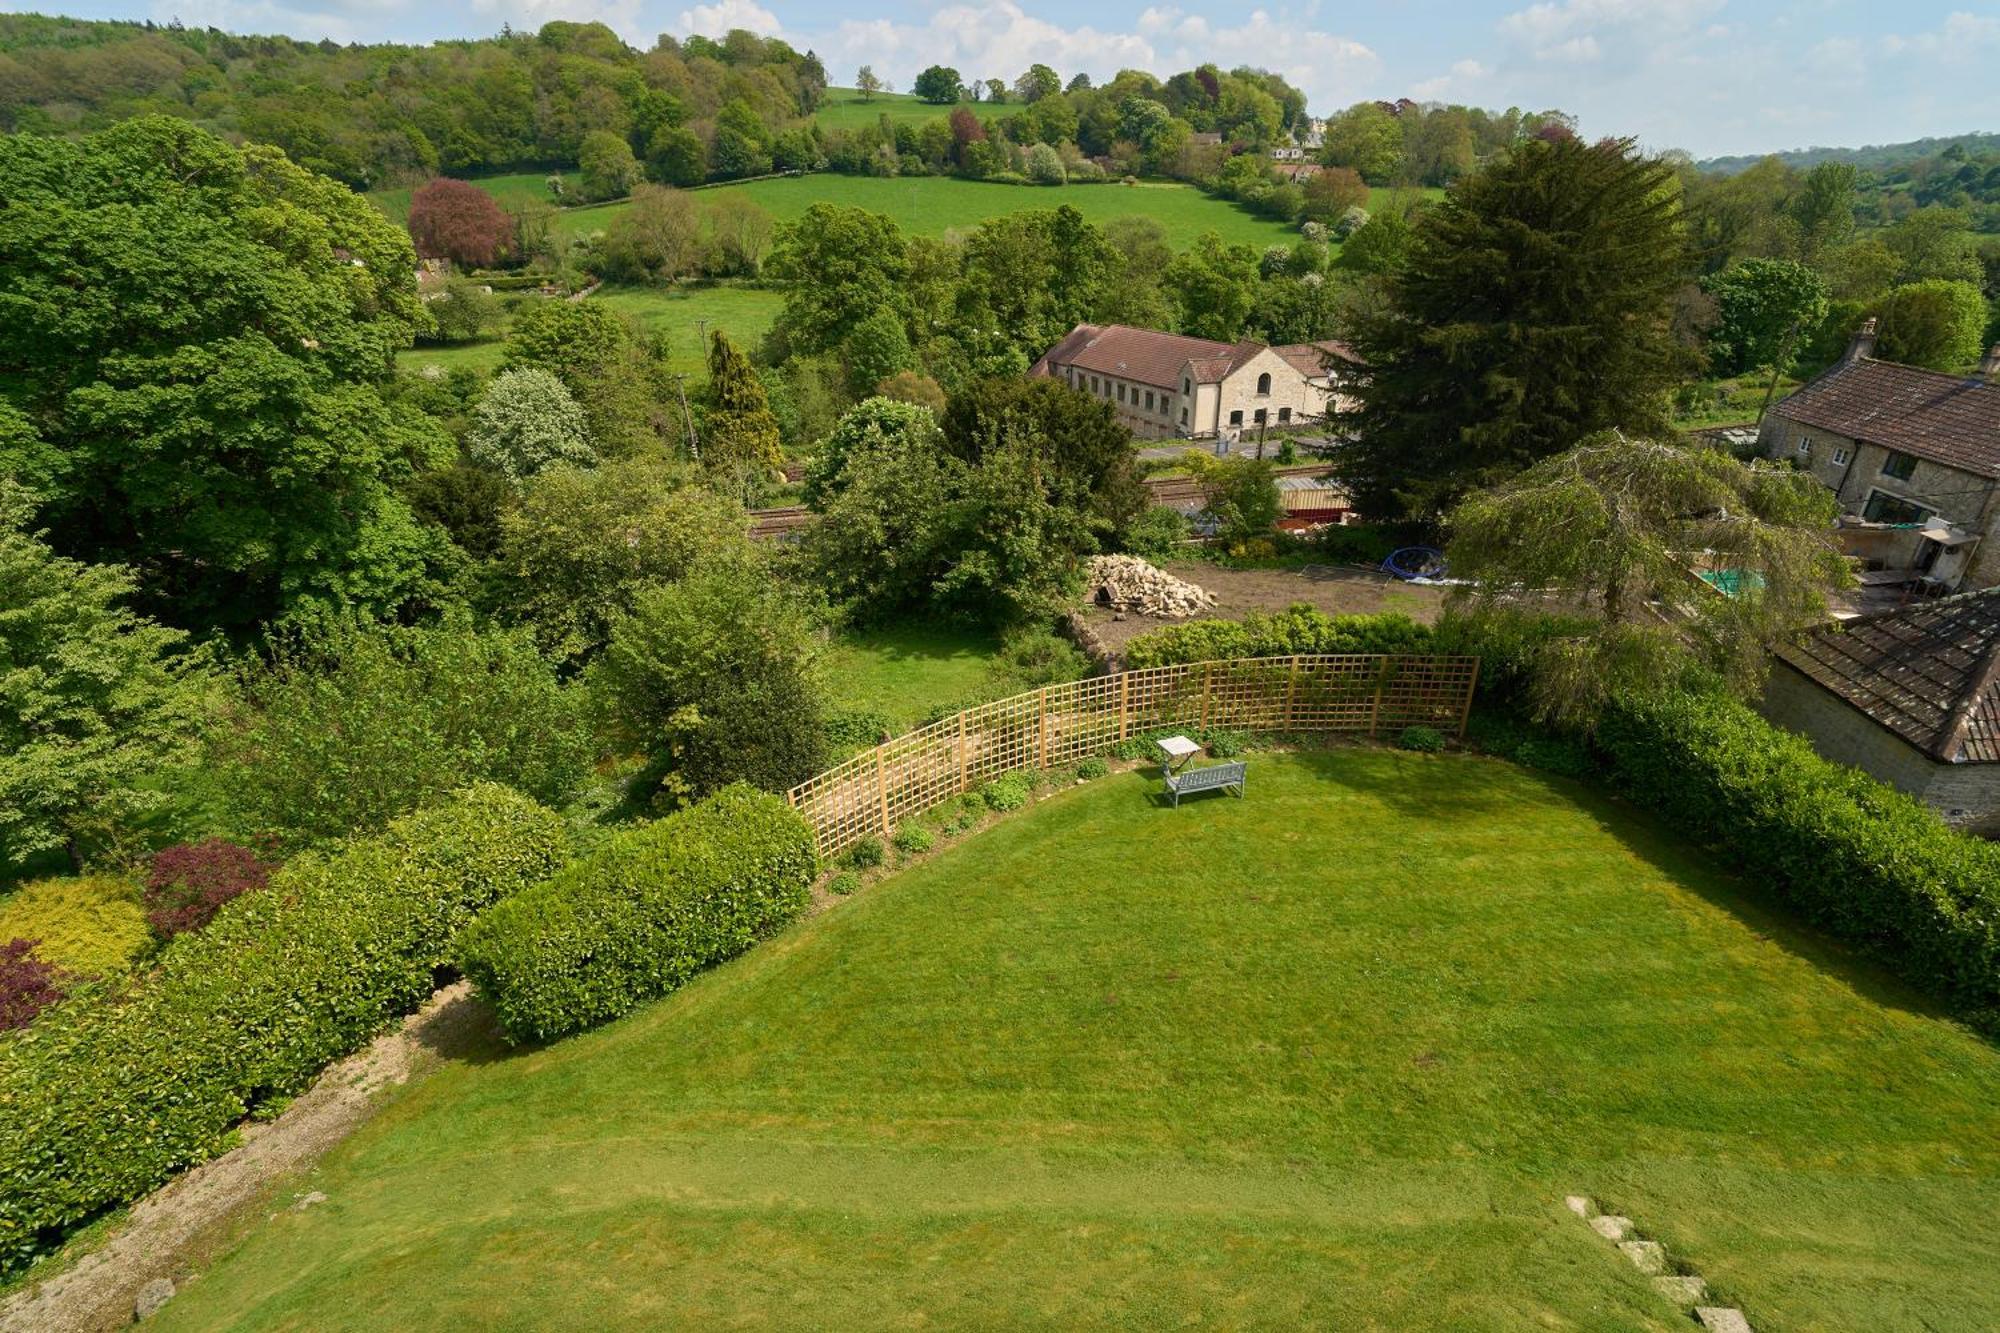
(1710, 76)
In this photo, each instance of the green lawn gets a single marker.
(905, 671)
(1328, 1056)
(843, 109)
(513, 191)
(682, 313)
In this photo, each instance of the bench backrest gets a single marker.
(1218, 775)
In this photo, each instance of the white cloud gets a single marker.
(1000, 39)
(717, 19)
(1575, 51)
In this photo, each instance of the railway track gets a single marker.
(770, 523)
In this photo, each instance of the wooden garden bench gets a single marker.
(1216, 777)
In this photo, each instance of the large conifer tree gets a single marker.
(1533, 310)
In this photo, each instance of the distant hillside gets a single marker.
(1873, 157)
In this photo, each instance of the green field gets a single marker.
(683, 314)
(512, 191)
(928, 205)
(843, 109)
(906, 671)
(1329, 1056)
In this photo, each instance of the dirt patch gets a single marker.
(170, 1231)
(1336, 590)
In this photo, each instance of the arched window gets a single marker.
(1264, 384)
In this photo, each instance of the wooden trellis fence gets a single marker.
(1059, 724)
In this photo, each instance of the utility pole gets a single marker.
(687, 418)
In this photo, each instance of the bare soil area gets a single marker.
(1338, 590)
(172, 1232)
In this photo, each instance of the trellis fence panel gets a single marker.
(867, 796)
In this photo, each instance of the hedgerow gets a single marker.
(641, 915)
(1300, 629)
(108, 1093)
(1853, 855)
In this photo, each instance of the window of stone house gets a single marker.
(1236, 417)
(1883, 507)
(1121, 393)
(1149, 400)
(1262, 414)
(1187, 385)
(1899, 465)
(1264, 385)
(1805, 446)
(1839, 454)
(1284, 414)
(1184, 416)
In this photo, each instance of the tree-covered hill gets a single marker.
(1873, 156)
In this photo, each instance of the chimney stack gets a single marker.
(1989, 366)
(1864, 342)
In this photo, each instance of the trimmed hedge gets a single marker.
(107, 1094)
(643, 914)
(1853, 855)
(1301, 629)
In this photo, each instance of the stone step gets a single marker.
(1578, 1204)
(1612, 1227)
(1683, 1289)
(1648, 1256)
(1722, 1319)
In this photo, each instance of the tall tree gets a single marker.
(202, 334)
(526, 421)
(1534, 309)
(868, 82)
(1765, 310)
(1604, 533)
(740, 431)
(1082, 456)
(454, 220)
(939, 84)
(94, 701)
(844, 264)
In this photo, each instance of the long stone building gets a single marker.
(1167, 386)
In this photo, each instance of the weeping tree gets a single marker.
(1592, 562)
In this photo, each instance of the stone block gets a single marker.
(1578, 1204)
(1612, 1227)
(1683, 1289)
(1646, 1255)
(1721, 1319)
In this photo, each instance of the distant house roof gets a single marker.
(1309, 359)
(1148, 356)
(1930, 673)
(1949, 419)
(1145, 356)
(1205, 136)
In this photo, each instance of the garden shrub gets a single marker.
(642, 915)
(1853, 855)
(864, 855)
(1156, 534)
(28, 985)
(1355, 543)
(854, 729)
(111, 1092)
(1424, 740)
(1301, 629)
(843, 884)
(1227, 744)
(190, 882)
(85, 923)
(1010, 791)
(1091, 769)
(914, 839)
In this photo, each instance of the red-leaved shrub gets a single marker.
(191, 881)
(27, 984)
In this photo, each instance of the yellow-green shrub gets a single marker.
(84, 923)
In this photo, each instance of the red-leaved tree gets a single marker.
(453, 220)
(191, 881)
(27, 984)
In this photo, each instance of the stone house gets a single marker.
(1910, 696)
(1914, 457)
(1166, 386)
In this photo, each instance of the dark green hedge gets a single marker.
(1856, 857)
(641, 915)
(1300, 629)
(108, 1094)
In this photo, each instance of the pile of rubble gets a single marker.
(1127, 583)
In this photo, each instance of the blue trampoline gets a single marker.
(1416, 562)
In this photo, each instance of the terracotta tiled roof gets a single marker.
(1310, 358)
(1949, 419)
(1930, 673)
(1145, 356)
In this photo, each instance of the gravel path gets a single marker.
(171, 1231)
